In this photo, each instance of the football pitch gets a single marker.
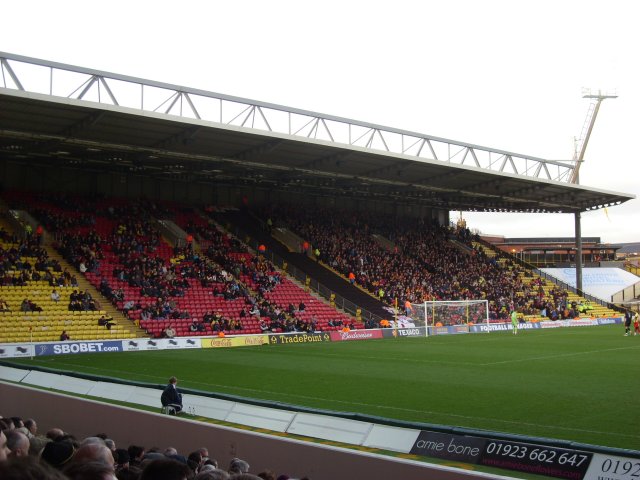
(579, 384)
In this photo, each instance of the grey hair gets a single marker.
(212, 474)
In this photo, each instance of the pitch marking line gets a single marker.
(560, 355)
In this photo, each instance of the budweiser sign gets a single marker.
(355, 335)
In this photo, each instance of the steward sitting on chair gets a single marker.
(171, 399)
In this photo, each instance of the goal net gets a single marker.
(448, 316)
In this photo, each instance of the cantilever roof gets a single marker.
(41, 128)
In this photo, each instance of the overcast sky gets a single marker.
(502, 74)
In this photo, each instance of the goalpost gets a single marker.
(448, 316)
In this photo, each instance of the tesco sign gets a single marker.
(77, 347)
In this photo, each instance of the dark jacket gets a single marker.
(170, 396)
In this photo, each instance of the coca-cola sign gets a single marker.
(355, 335)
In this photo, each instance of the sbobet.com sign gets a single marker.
(65, 348)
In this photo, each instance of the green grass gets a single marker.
(578, 384)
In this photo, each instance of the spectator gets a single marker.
(31, 426)
(238, 466)
(267, 475)
(55, 296)
(89, 470)
(57, 454)
(169, 332)
(194, 461)
(131, 473)
(4, 449)
(212, 474)
(4, 306)
(28, 468)
(64, 336)
(18, 443)
(111, 445)
(94, 452)
(136, 453)
(106, 322)
(171, 397)
(55, 434)
(121, 459)
(165, 469)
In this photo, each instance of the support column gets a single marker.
(578, 233)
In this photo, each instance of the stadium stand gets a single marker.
(404, 260)
(213, 284)
(39, 301)
(174, 291)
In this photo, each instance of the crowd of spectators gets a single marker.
(91, 233)
(28, 454)
(235, 273)
(125, 231)
(17, 264)
(424, 261)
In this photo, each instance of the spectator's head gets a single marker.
(17, 422)
(237, 466)
(173, 380)
(122, 458)
(212, 474)
(267, 475)
(89, 471)
(194, 460)
(136, 453)
(31, 425)
(204, 453)
(111, 445)
(6, 424)
(165, 469)
(92, 441)
(18, 443)
(54, 433)
(57, 454)
(94, 452)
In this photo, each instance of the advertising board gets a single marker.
(286, 338)
(403, 332)
(65, 348)
(8, 350)
(142, 344)
(516, 456)
(240, 341)
(502, 327)
(355, 335)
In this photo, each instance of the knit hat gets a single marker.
(57, 454)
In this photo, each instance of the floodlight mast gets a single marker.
(581, 144)
(578, 157)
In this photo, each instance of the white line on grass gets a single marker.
(559, 355)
